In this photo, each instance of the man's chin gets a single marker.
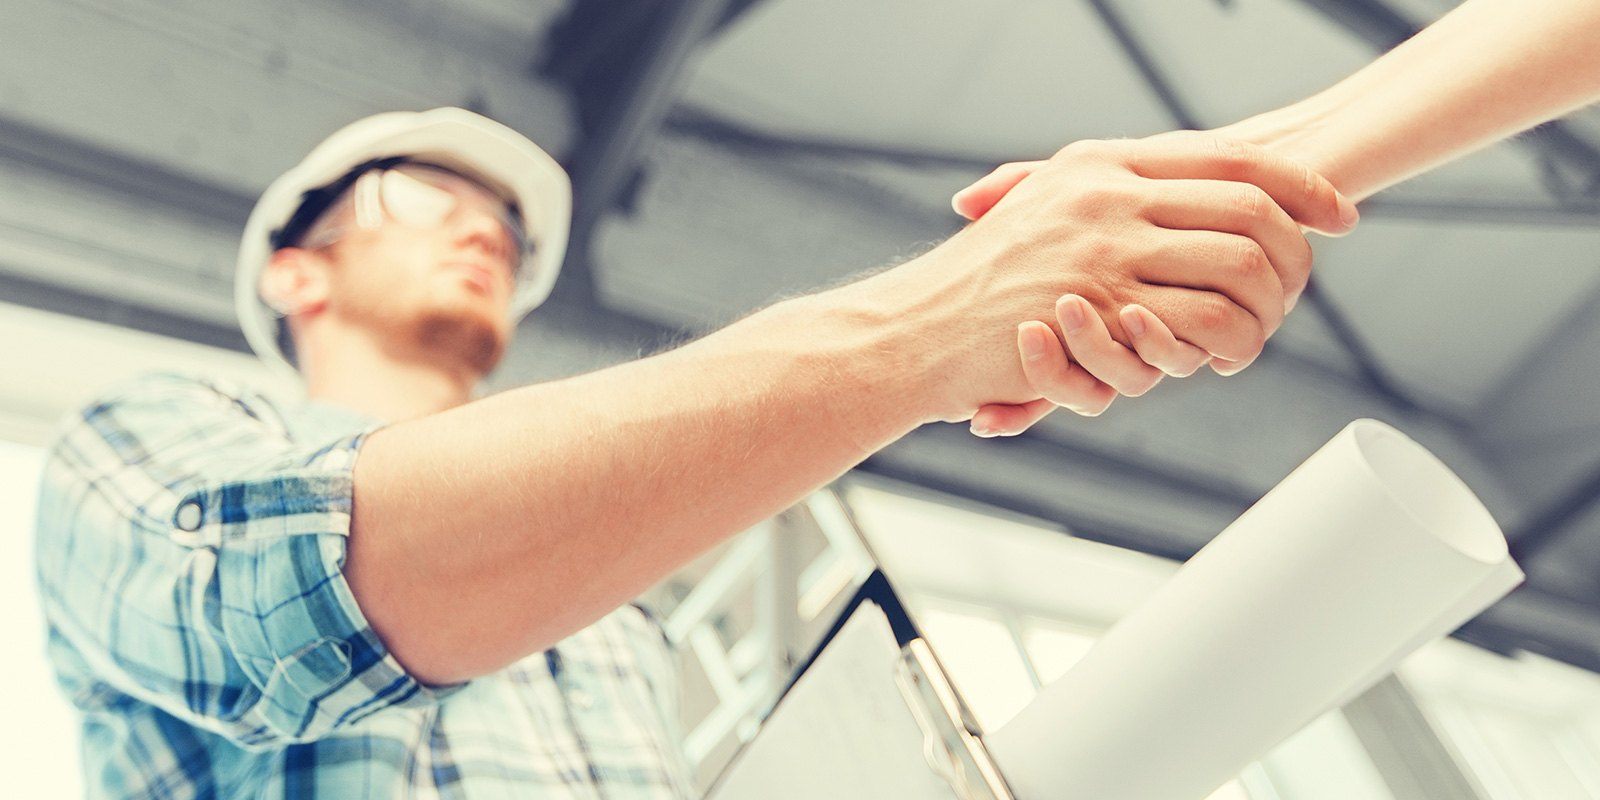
(463, 336)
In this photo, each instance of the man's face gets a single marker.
(430, 273)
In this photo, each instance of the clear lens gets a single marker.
(414, 202)
(408, 201)
(423, 196)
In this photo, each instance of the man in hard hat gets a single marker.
(392, 589)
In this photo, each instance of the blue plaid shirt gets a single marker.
(190, 543)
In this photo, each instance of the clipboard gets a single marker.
(871, 714)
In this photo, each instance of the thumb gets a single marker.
(976, 200)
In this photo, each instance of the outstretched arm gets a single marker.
(1485, 71)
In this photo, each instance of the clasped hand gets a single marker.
(1197, 252)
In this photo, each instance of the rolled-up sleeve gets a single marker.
(193, 553)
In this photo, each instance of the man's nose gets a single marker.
(480, 229)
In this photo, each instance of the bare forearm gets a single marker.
(495, 529)
(1485, 71)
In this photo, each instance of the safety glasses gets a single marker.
(424, 197)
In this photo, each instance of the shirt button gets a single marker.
(189, 516)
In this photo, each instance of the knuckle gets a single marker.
(1254, 204)
(1099, 248)
(1310, 184)
(1231, 155)
(1142, 200)
(1098, 201)
(1317, 192)
(1013, 170)
(1247, 260)
(1084, 149)
(1214, 313)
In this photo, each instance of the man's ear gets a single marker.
(295, 282)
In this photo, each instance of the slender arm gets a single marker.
(1485, 71)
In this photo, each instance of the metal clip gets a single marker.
(950, 740)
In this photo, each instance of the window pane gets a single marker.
(1055, 647)
(982, 658)
(48, 742)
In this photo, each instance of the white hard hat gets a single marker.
(450, 137)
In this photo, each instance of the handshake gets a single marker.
(1116, 263)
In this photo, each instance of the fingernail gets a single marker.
(1032, 343)
(982, 431)
(1348, 214)
(1133, 321)
(1228, 369)
(1070, 309)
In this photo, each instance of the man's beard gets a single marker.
(460, 338)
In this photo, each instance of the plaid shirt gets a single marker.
(190, 543)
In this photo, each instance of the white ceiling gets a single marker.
(990, 80)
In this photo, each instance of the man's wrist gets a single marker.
(878, 343)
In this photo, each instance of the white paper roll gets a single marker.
(1368, 550)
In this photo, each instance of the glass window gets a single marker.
(1524, 727)
(983, 659)
(48, 742)
(1055, 646)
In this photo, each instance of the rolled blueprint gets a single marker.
(1368, 550)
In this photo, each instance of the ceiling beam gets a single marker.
(113, 311)
(1540, 622)
(1182, 115)
(625, 64)
(1544, 527)
(1361, 356)
(113, 172)
(734, 11)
